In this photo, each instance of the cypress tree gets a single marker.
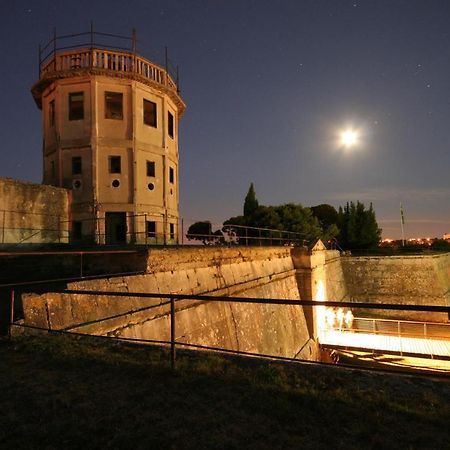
(250, 203)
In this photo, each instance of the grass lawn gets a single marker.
(59, 392)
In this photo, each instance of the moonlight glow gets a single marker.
(349, 138)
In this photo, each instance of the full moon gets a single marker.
(349, 138)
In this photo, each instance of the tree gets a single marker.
(250, 203)
(326, 215)
(358, 226)
(201, 231)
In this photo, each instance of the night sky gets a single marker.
(269, 84)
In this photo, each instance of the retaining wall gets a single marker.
(419, 279)
(236, 271)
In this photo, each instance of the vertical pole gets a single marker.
(11, 315)
(145, 228)
(134, 49)
(167, 65)
(54, 49)
(182, 231)
(259, 233)
(402, 222)
(39, 62)
(246, 236)
(92, 44)
(3, 228)
(172, 333)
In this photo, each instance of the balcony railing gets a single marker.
(74, 55)
(117, 61)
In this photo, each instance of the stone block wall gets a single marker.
(33, 213)
(421, 280)
(236, 271)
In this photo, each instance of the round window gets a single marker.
(151, 186)
(115, 183)
(76, 184)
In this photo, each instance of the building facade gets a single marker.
(110, 134)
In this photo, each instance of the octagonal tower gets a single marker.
(110, 134)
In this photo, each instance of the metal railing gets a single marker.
(84, 50)
(19, 227)
(172, 299)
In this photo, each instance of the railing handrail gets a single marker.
(98, 57)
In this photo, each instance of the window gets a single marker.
(170, 123)
(151, 229)
(150, 168)
(114, 105)
(77, 228)
(114, 164)
(76, 165)
(171, 175)
(76, 106)
(51, 113)
(172, 230)
(150, 117)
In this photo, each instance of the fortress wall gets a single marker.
(235, 271)
(336, 287)
(32, 213)
(421, 280)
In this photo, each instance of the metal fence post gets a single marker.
(11, 315)
(399, 337)
(172, 333)
(3, 228)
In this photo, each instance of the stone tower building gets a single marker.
(110, 132)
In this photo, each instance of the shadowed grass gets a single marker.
(60, 392)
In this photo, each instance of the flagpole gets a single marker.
(402, 222)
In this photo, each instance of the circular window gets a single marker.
(76, 184)
(151, 186)
(115, 183)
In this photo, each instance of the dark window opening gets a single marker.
(51, 113)
(114, 105)
(150, 186)
(151, 229)
(114, 164)
(76, 106)
(77, 229)
(150, 168)
(115, 183)
(76, 165)
(171, 175)
(172, 230)
(170, 124)
(150, 116)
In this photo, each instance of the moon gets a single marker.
(349, 138)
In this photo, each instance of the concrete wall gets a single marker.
(32, 213)
(238, 271)
(421, 280)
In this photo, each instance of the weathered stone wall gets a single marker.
(238, 271)
(32, 213)
(421, 280)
